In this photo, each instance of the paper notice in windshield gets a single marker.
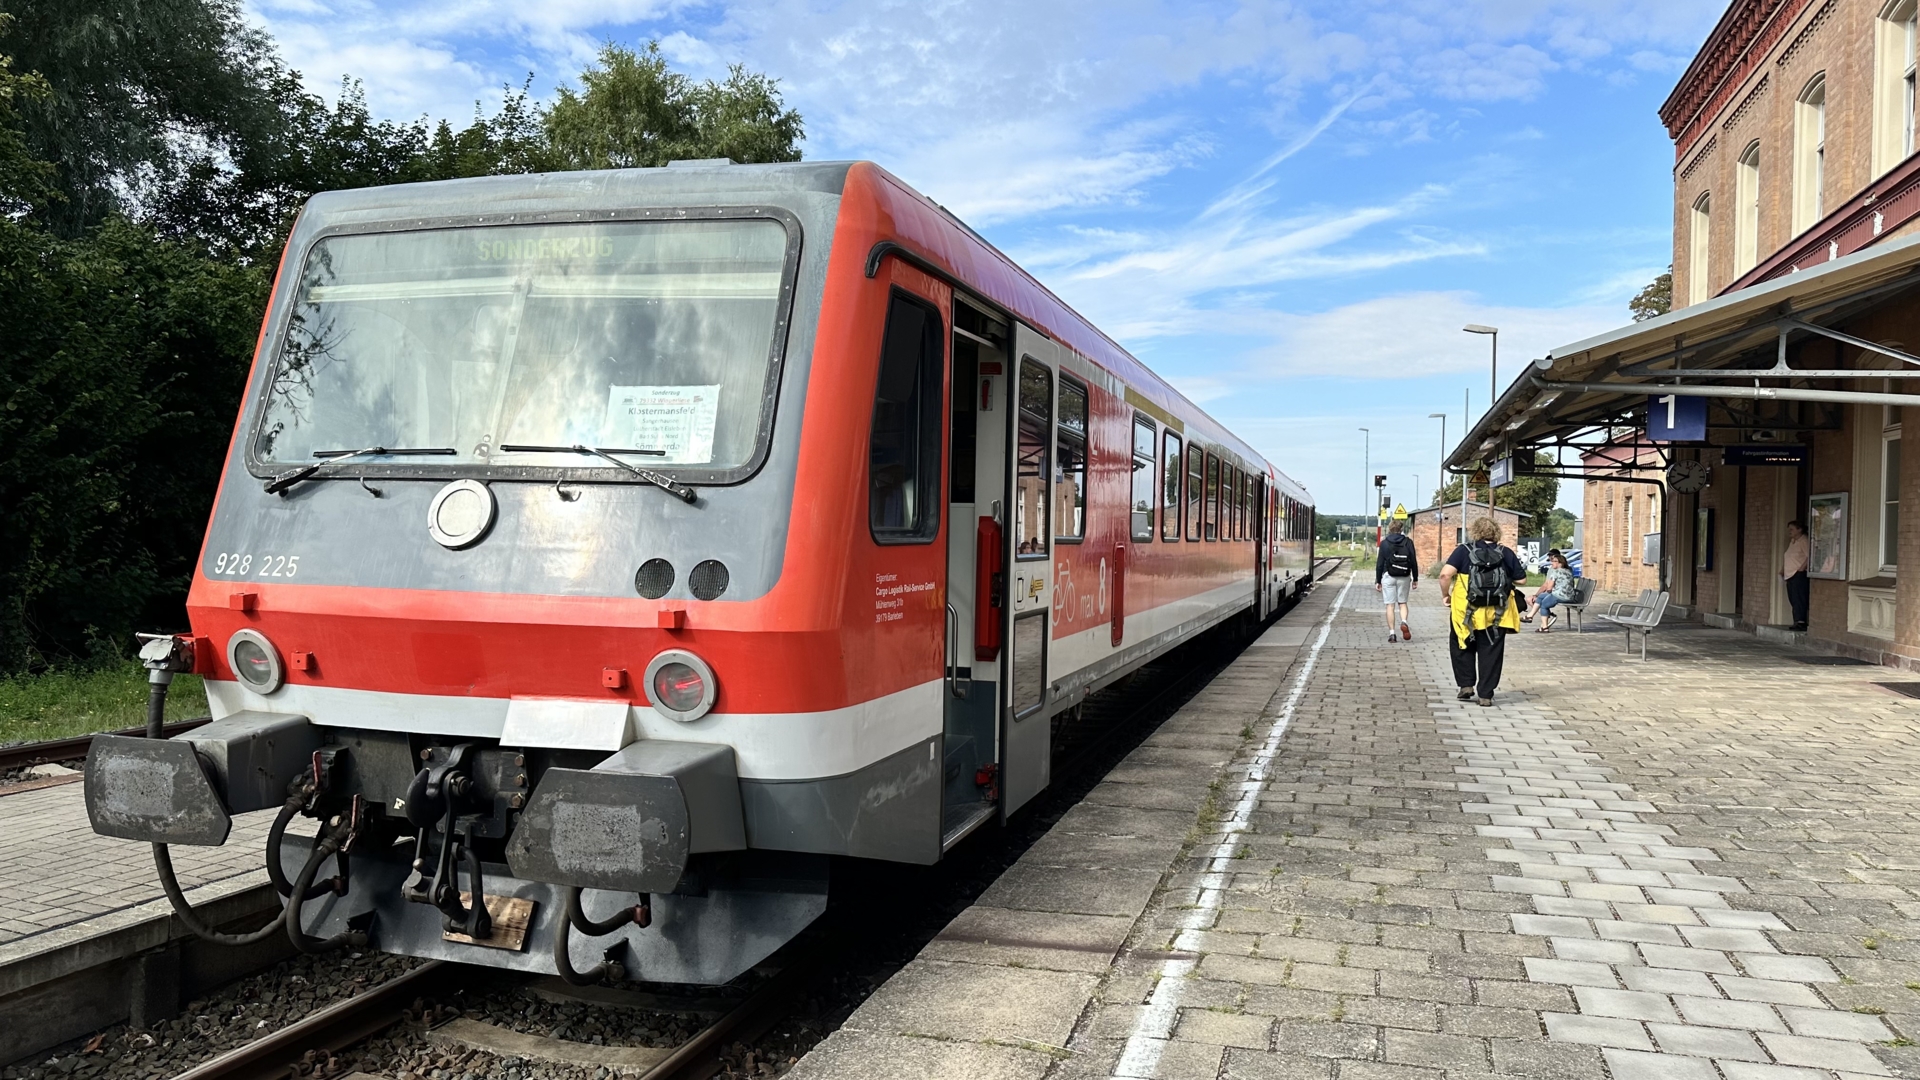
(677, 420)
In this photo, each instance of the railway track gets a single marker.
(316, 1045)
(21, 755)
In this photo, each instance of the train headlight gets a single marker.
(255, 660)
(680, 685)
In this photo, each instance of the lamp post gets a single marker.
(1440, 502)
(1493, 392)
(1493, 379)
(1366, 468)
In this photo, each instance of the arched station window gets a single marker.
(1810, 154)
(1746, 210)
(1700, 249)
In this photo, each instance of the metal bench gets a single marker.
(1627, 607)
(1638, 619)
(1576, 605)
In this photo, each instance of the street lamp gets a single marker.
(1493, 395)
(1366, 468)
(1440, 504)
(1493, 382)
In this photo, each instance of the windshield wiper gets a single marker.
(660, 480)
(279, 484)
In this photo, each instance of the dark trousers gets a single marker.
(1797, 592)
(1486, 650)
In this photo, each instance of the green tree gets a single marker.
(26, 182)
(116, 404)
(1655, 300)
(1532, 496)
(133, 89)
(1560, 528)
(633, 111)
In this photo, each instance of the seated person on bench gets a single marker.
(1558, 589)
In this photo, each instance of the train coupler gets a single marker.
(449, 796)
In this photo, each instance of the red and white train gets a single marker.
(663, 533)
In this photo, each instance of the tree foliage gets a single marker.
(1532, 496)
(116, 402)
(633, 111)
(134, 88)
(1655, 300)
(153, 154)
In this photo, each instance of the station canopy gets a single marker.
(1733, 351)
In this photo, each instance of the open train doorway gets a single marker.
(976, 569)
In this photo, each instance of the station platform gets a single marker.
(1699, 867)
(86, 936)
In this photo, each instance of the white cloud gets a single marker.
(1410, 335)
(1213, 274)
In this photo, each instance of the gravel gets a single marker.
(21, 773)
(231, 1017)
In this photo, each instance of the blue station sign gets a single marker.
(1672, 418)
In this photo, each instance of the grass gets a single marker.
(62, 704)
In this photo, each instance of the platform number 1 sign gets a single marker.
(1672, 418)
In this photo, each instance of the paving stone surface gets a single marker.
(55, 872)
(1703, 866)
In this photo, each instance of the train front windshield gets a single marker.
(627, 335)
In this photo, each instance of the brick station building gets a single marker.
(1436, 529)
(1622, 537)
(1795, 328)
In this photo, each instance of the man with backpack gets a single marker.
(1395, 576)
(1480, 580)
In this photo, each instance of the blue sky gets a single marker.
(1288, 209)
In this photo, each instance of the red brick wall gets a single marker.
(1835, 39)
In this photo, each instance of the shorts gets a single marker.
(1396, 590)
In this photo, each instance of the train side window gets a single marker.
(1243, 520)
(1141, 517)
(1172, 469)
(1213, 497)
(1237, 504)
(903, 452)
(1196, 490)
(1070, 479)
(1030, 502)
(1226, 501)
(1170, 473)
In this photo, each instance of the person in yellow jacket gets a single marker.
(1478, 644)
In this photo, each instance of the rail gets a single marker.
(341, 1026)
(21, 755)
(332, 1029)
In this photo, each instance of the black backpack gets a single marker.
(1488, 582)
(1397, 556)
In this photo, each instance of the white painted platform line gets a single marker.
(1670, 978)
(1148, 1037)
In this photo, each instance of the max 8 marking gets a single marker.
(244, 564)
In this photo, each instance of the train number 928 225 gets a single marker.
(246, 564)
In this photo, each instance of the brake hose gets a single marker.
(158, 680)
(323, 848)
(574, 917)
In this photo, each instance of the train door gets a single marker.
(1262, 548)
(976, 561)
(1026, 730)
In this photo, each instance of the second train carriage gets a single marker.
(632, 542)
